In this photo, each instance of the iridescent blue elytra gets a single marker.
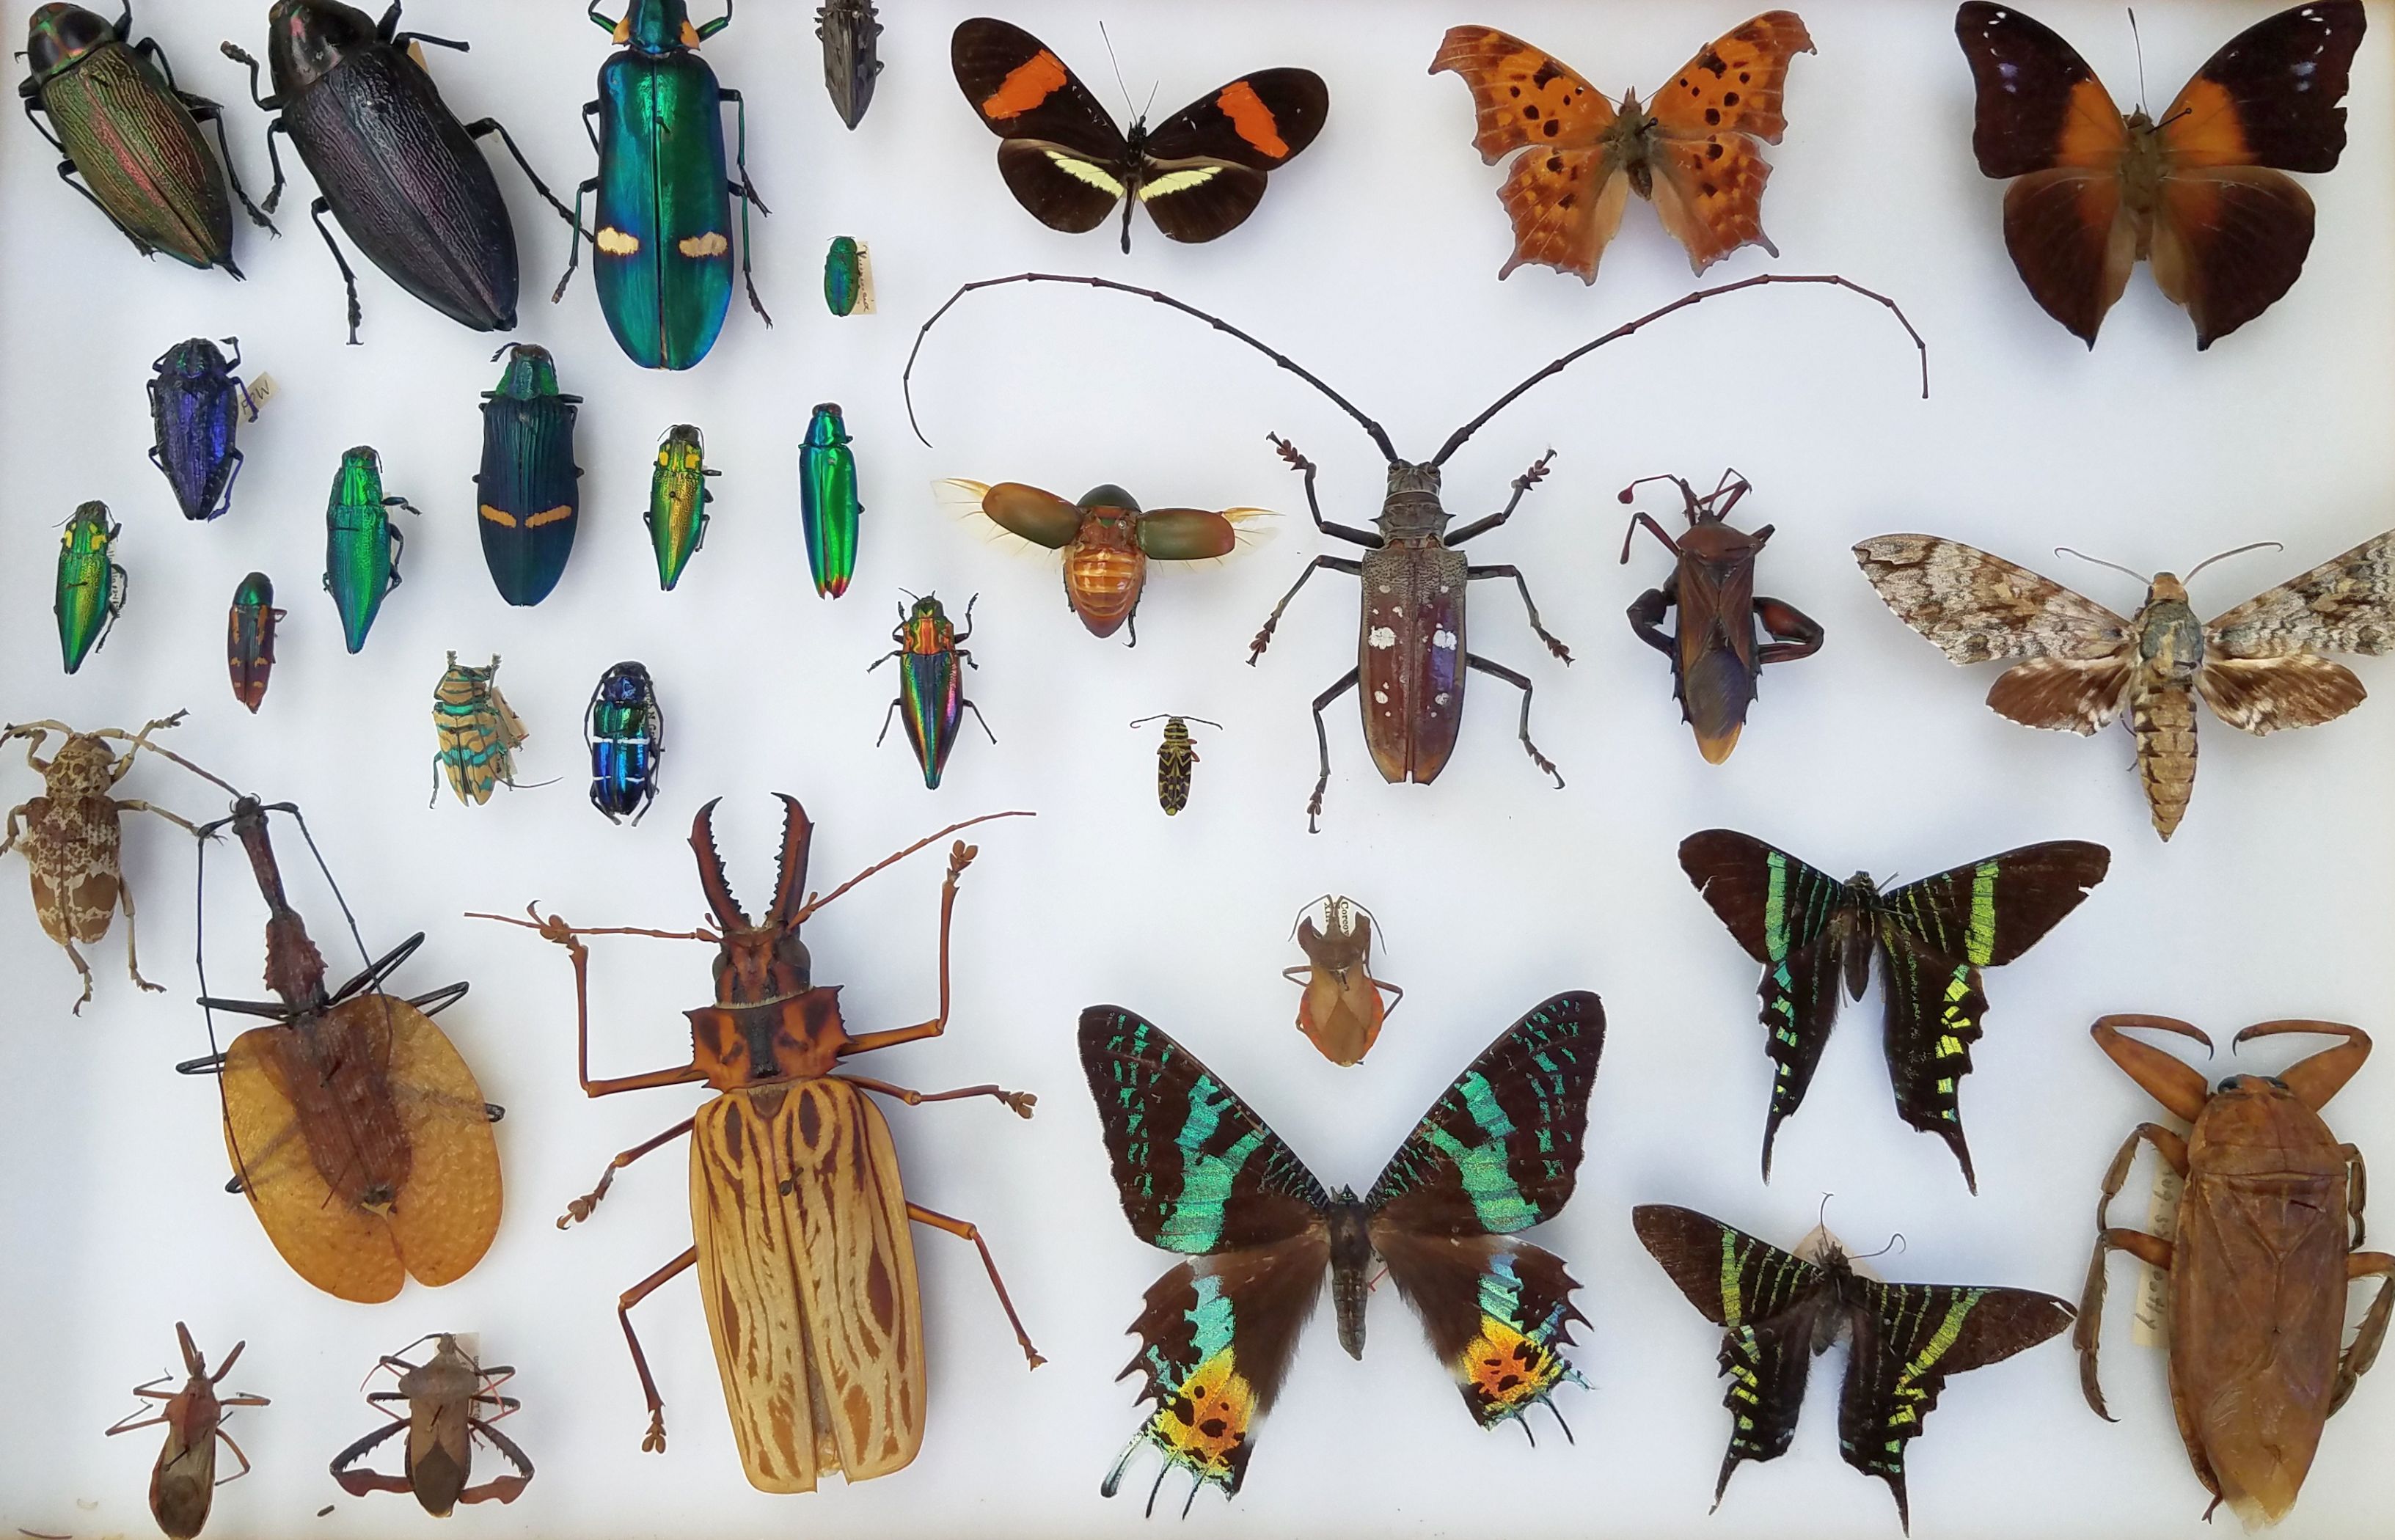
(196, 402)
(626, 730)
(530, 500)
(663, 239)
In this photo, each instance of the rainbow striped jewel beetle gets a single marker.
(91, 586)
(931, 683)
(662, 251)
(827, 501)
(678, 499)
(1411, 658)
(119, 122)
(798, 1214)
(530, 488)
(362, 546)
(196, 404)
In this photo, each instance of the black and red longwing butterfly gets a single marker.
(1202, 1174)
(1201, 172)
(1933, 937)
(1778, 1309)
(2202, 190)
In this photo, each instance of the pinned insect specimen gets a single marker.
(931, 662)
(73, 834)
(362, 546)
(2200, 190)
(479, 734)
(1106, 538)
(1695, 151)
(354, 1127)
(848, 277)
(1715, 659)
(829, 507)
(183, 1483)
(1411, 654)
(1175, 759)
(197, 404)
(797, 1212)
(1933, 938)
(91, 585)
(678, 499)
(1342, 1010)
(1779, 1309)
(851, 31)
(249, 638)
(1199, 173)
(1200, 1174)
(626, 730)
(2266, 1244)
(2258, 666)
(530, 498)
(451, 1401)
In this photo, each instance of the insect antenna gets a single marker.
(2258, 544)
(2065, 550)
(1628, 494)
(2138, 43)
(1698, 296)
(1380, 436)
(1117, 65)
(1895, 1241)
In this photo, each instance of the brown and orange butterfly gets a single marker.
(2201, 192)
(1695, 151)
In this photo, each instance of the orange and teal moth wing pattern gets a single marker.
(1199, 1173)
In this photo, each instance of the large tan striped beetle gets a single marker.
(1412, 660)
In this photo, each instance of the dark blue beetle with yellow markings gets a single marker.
(530, 488)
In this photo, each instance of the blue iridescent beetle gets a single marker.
(195, 406)
(626, 730)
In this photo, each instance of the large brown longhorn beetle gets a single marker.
(1410, 656)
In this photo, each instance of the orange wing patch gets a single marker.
(1026, 87)
(1565, 206)
(1709, 194)
(1736, 84)
(2202, 127)
(1251, 119)
(1524, 97)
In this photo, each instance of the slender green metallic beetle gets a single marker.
(678, 499)
(91, 585)
(361, 547)
(827, 501)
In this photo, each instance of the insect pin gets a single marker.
(1174, 757)
(477, 733)
(183, 1483)
(1715, 659)
(932, 659)
(1340, 1010)
(1412, 655)
(451, 1401)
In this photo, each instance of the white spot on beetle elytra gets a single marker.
(615, 243)
(1443, 640)
(1381, 637)
(1380, 697)
(1441, 698)
(712, 244)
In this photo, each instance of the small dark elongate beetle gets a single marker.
(392, 161)
(1411, 656)
(1715, 660)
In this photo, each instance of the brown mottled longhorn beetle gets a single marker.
(800, 1222)
(1411, 658)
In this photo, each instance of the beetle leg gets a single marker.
(886, 717)
(746, 191)
(1330, 564)
(1020, 1102)
(1798, 635)
(1522, 483)
(1337, 532)
(66, 175)
(237, 459)
(652, 1442)
(205, 111)
(978, 717)
(2151, 1249)
(590, 127)
(1643, 517)
(961, 855)
(965, 1230)
(2357, 1359)
(16, 827)
(492, 125)
(132, 962)
(317, 212)
(1649, 609)
(2356, 1190)
(84, 969)
(137, 806)
(1321, 734)
(2168, 1081)
(357, 1483)
(579, 1209)
(33, 109)
(573, 256)
(1508, 569)
(1500, 672)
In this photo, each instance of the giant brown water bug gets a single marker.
(1411, 657)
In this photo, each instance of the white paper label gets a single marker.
(261, 390)
(2150, 1325)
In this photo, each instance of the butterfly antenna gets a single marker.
(1895, 1241)
(1117, 65)
(1379, 435)
(1821, 1220)
(2138, 43)
(2258, 544)
(2142, 577)
(1627, 328)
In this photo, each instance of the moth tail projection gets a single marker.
(1497, 1313)
(2164, 722)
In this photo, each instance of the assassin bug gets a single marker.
(73, 837)
(446, 1401)
(355, 1128)
(183, 1483)
(1174, 757)
(1342, 1010)
(800, 1222)
(1715, 660)
(1411, 657)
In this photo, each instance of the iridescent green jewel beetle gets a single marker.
(91, 585)
(678, 499)
(848, 277)
(361, 547)
(827, 501)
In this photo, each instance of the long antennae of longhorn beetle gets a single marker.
(1379, 435)
(1626, 328)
